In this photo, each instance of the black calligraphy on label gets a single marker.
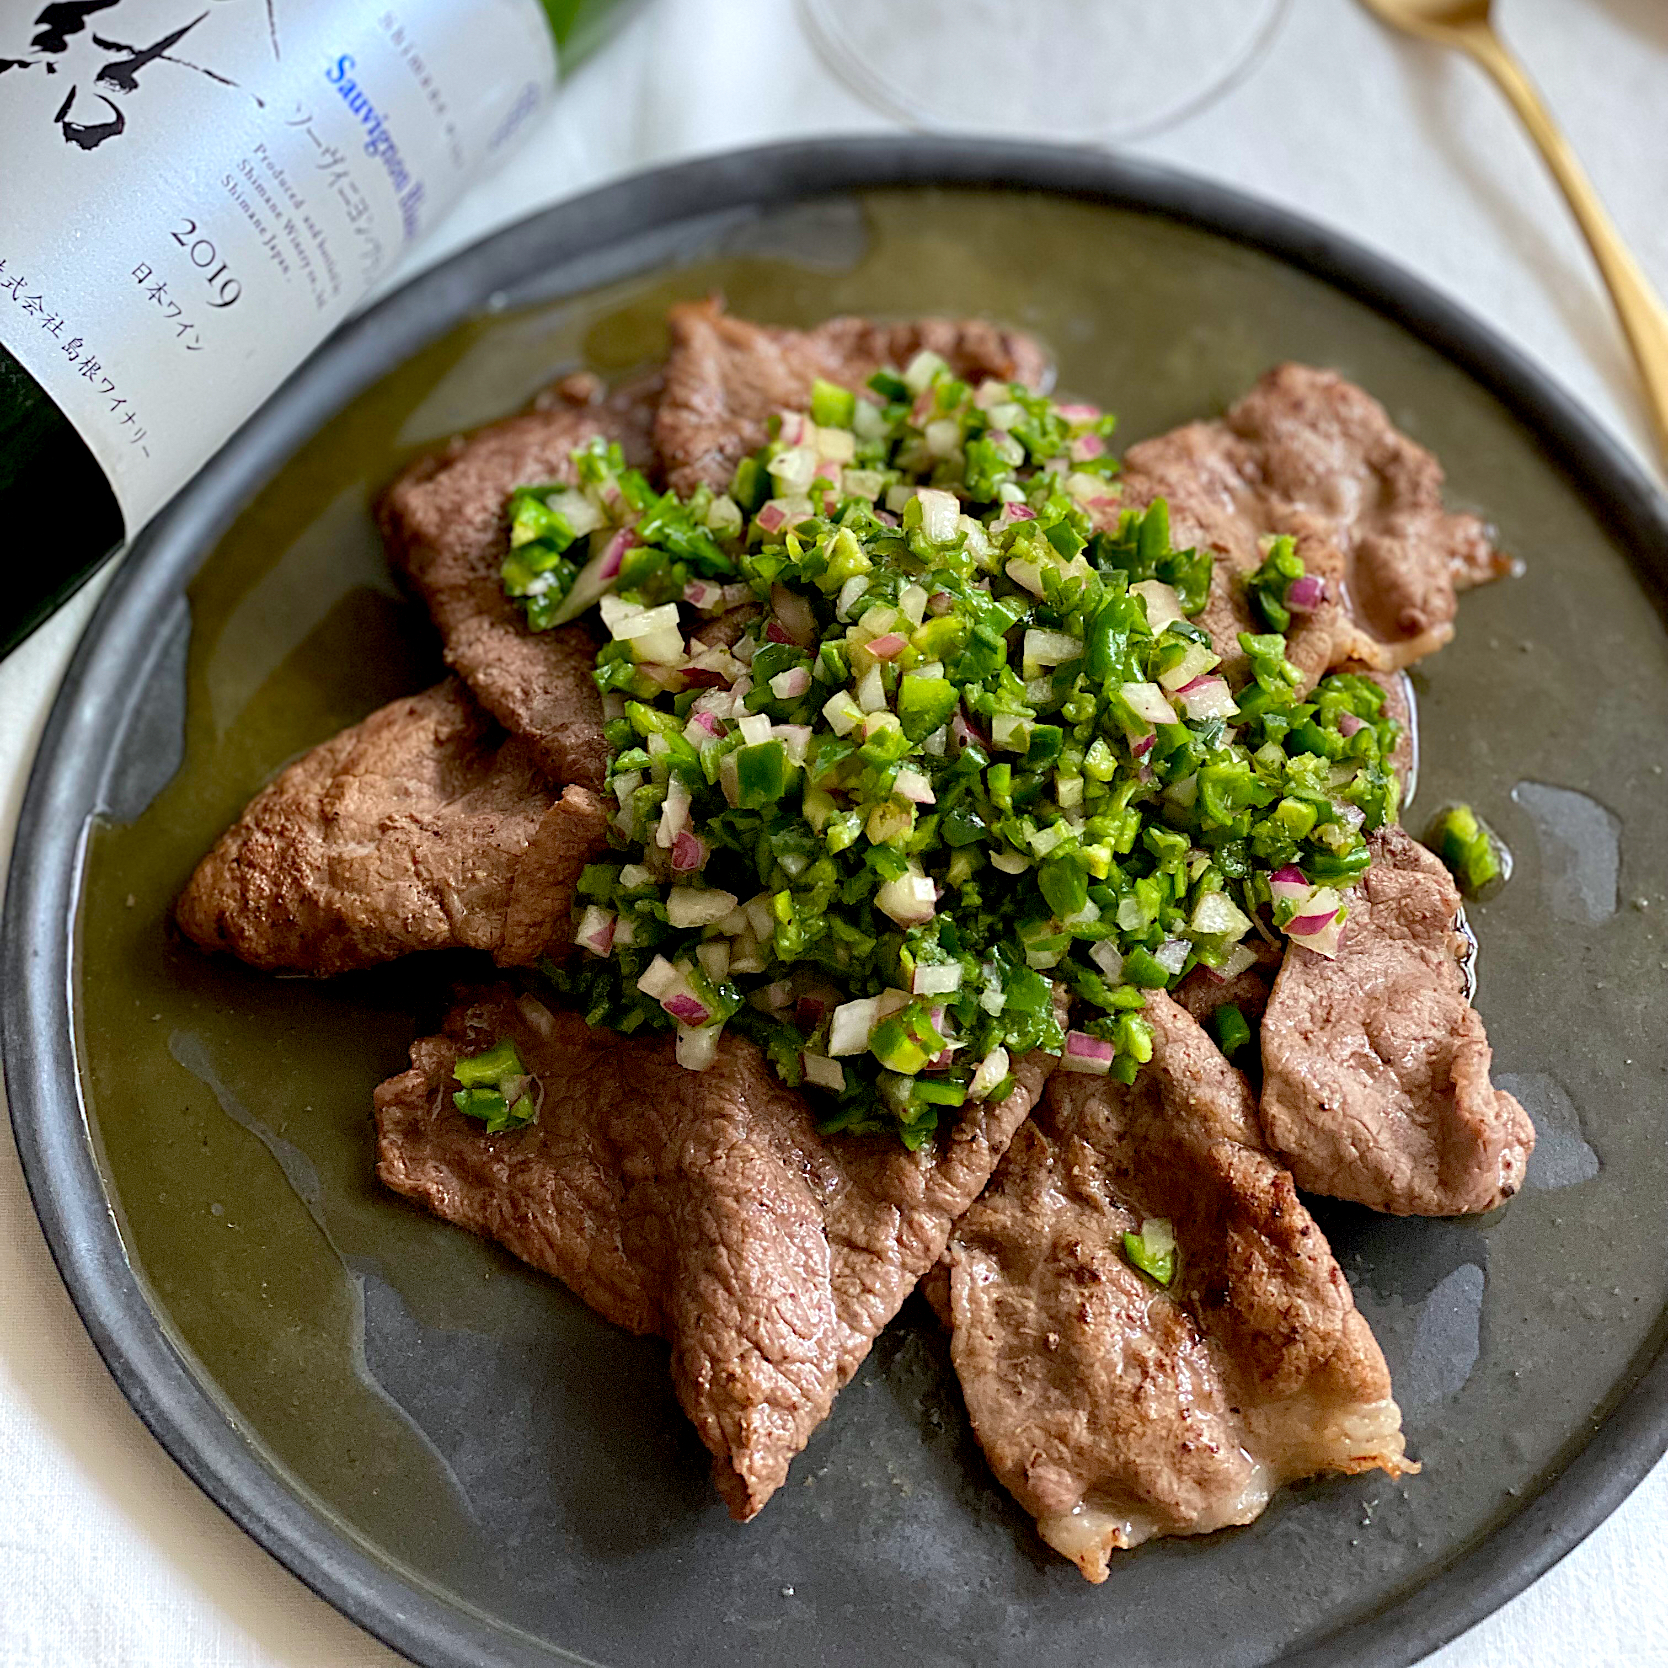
(103, 71)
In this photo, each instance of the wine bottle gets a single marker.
(196, 196)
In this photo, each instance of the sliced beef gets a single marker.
(1202, 992)
(699, 1206)
(443, 520)
(725, 376)
(1116, 1410)
(1376, 1068)
(411, 831)
(1310, 454)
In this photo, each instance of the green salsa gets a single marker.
(970, 760)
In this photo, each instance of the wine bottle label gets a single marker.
(198, 191)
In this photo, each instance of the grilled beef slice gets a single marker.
(424, 827)
(1115, 1410)
(726, 376)
(443, 521)
(1309, 454)
(699, 1206)
(1375, 1065)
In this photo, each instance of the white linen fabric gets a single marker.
(108, 1554)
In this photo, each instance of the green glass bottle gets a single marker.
(73, 480)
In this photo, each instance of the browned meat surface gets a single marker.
(1115, 1410)
(699, 1206)
(1375, 1066)
(410, 831)
(443, 520)
(1309, 454)
(725, 376)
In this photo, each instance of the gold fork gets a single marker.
(1465, 26)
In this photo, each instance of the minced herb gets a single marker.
(972, 757)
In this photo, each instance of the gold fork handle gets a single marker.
(1642, 314)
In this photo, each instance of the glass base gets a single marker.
(1076, 70)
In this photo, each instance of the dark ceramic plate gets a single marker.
(451, 1449)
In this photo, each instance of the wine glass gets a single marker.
(1078, 70)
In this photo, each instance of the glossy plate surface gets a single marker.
(454, 1451)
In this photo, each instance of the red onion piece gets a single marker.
(1087, 446)
(1288, 876)
(701, 677)
(886, 518)
(1348, 723)
(1305, 595)
(1080, 1043)
(793, 614)
(1305, 926)
(687, 1009)
(776, 632)
(940, 602)
(614, 553)
(1080, 413)
(888, 646)
(963, 731)
(772, 518)
(1144, 746)
(689, 852)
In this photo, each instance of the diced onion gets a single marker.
(660, 979)
(909, 900)
(1217, 916)
(596, 931)
(937, 981)
(1306, 594)
(871, 691)
(822, 1071)
(687, 1009)
(1207, 697)
(1196, 659)
(1051, 648)
(915, 787)
(842, 712)
(793, 471)
(674, 814)
(697, 1046)
(1172, 954)
(1163, 605)
(992, 1069)
(1147, 702)
(697, 906)
(848, 1031)
(1084, 1053)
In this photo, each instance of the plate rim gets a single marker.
(69, 777)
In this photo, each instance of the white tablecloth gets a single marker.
(107, 1553)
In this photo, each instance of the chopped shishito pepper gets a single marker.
(1153, 1250)
(1475, 855)
(965, 757)
(1230, 1028)
(496, 1088)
